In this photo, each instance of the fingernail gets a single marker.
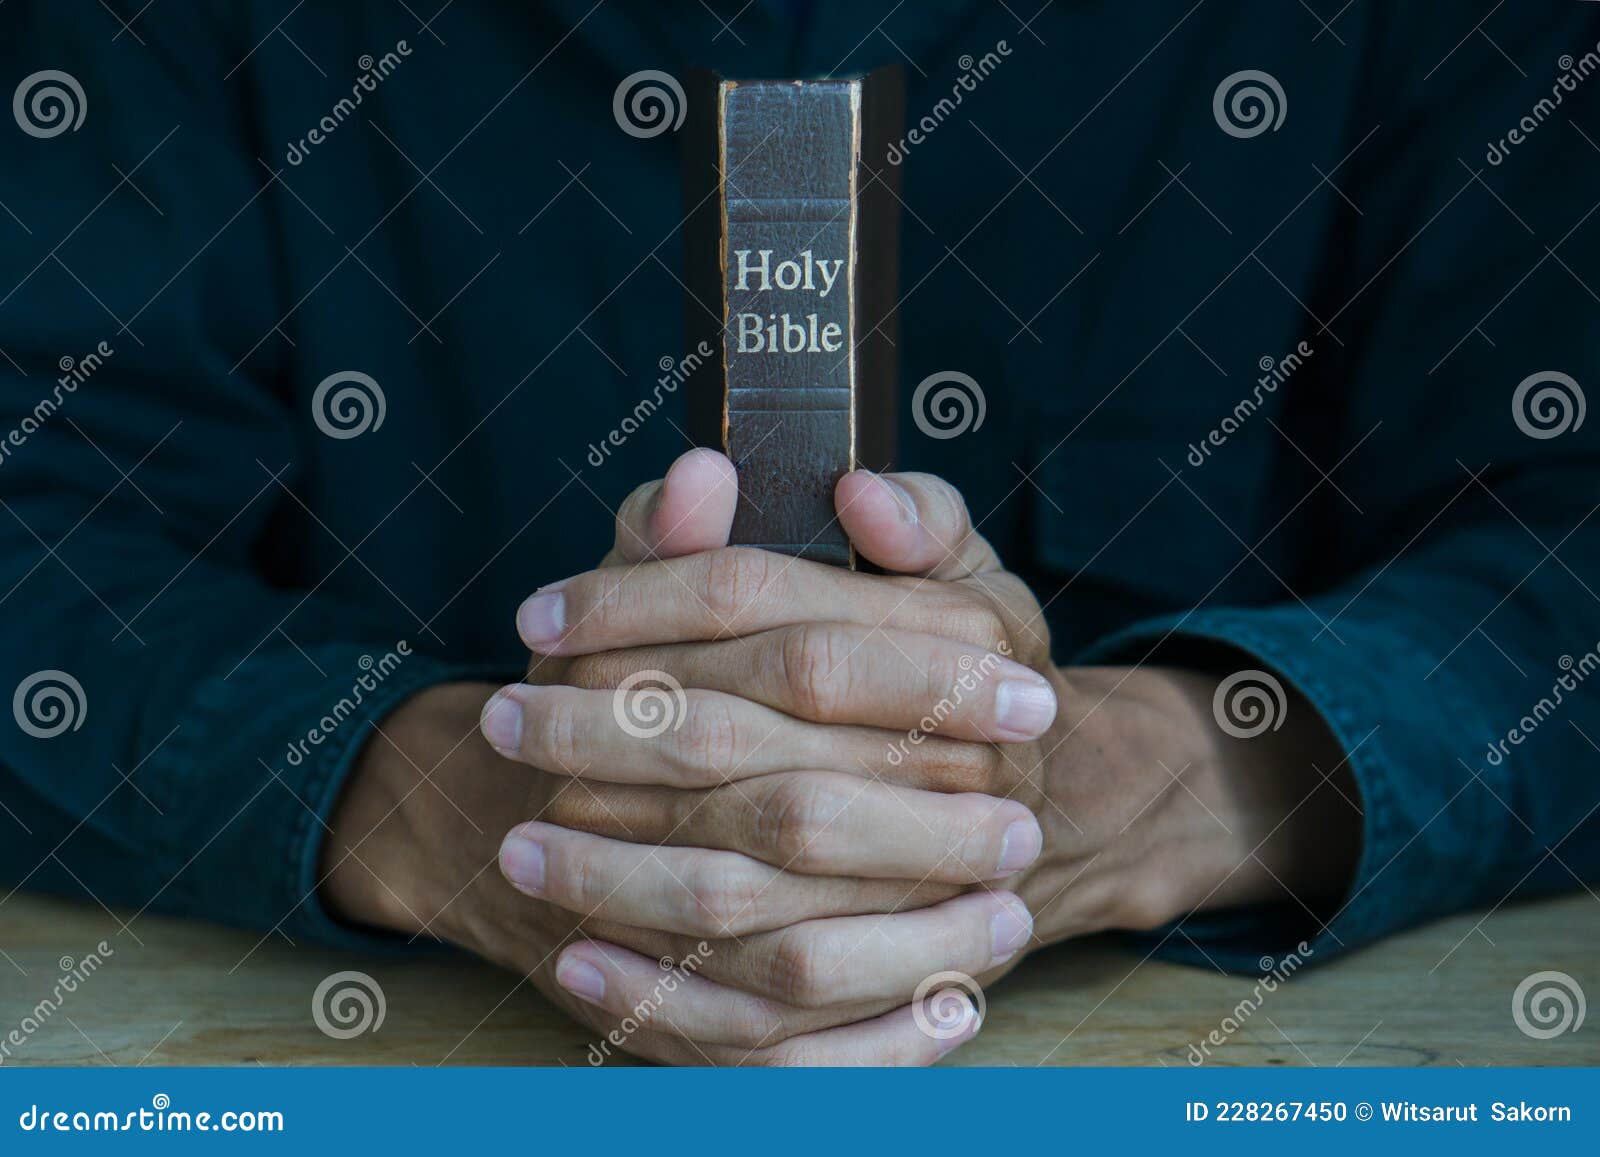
(581, 978)
(502, 723)
(1020, 846)
(1009, 932)
(971, 1023)
(1024, 707)
(522, 861)
(542, 617)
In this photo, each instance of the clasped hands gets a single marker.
(820, 788)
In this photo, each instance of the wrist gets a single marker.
(410, 819)
(1155, 811)
(1285, 825)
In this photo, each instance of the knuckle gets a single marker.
(984, 625)
(973, 838)
(735, 580)
(581, 875)
(754, 1023)
(965, 615)
(602, 601)
(940, 685)
(1152, 902)
(631, 516)
(811, 661)
(553, 737)
(793, 818)
(948, 511)
(721, 892)
(797, 976)
(708, 741)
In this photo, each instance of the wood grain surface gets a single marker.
(177, 993)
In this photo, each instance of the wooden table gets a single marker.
(1438, 996)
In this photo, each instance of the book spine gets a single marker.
(789, 156)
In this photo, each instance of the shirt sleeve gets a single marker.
(1451, 639)
(183, 718)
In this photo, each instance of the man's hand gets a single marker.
(1149, 809)
(413, 848)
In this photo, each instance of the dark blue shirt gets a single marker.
(1249, 385)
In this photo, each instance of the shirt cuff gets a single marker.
(249, 780)
(1421, 826)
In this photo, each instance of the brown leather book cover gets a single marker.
(793, 244)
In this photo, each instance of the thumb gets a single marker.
(688, 511)
(912, 524)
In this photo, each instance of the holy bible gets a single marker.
(792, 241)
